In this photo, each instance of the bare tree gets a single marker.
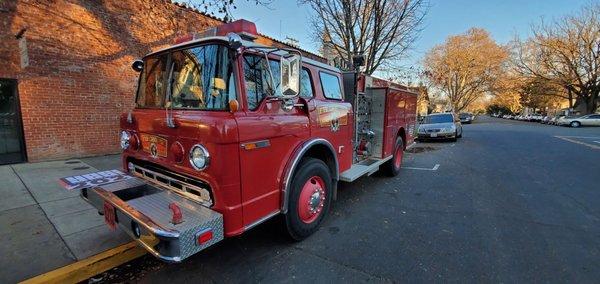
(381, 30)
(465, 67)
(567, 51)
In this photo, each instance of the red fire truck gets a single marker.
(228, 133)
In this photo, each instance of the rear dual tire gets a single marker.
(311, 193)
(392, 167)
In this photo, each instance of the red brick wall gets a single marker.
(79, 78)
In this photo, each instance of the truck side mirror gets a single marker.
(290, 75)
(137, 65)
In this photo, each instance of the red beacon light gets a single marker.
(244, 28)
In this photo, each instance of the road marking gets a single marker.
(568, 138)
(435, 168)
(452, 145)
(597, 142)
(582, 137)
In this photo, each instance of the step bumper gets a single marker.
(142, 211)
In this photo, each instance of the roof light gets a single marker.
(244, 28)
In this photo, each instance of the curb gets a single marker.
(94, 265)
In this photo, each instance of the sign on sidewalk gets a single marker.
(93, 179)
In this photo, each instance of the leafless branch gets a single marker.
(381, 30)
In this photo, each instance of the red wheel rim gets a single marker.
(398, 157)
(312, 199)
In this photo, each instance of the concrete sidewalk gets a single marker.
(44, 226)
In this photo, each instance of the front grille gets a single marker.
(193, 189)
(433, 130)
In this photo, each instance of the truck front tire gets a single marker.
(310, 198)
(392, 167)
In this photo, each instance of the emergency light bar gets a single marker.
(244, 28)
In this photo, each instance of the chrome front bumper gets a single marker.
(142, 211)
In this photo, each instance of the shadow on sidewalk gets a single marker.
(44, 226)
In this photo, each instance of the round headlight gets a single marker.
(199, 157)
(125, 140)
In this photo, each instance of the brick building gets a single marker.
(65, 74)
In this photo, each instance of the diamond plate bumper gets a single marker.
(142, 211)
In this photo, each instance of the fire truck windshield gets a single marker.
(201, 78)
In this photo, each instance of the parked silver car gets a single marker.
(586, 120)
(554, 120)
(440, 126)
(466, 117)
(546, 119)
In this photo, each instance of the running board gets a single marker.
(368, 167)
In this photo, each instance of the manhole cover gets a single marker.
(421, 149)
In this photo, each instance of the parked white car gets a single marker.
(546, 119)
(554, 120)
(586, 120)
(535, 117)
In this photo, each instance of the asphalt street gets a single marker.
(509, 202)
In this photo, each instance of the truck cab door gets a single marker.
(331, 117)
(268, 135)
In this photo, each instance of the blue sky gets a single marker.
(503, 19)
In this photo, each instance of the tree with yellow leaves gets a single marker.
(506, 90)
(465, 67)
(567, 52)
